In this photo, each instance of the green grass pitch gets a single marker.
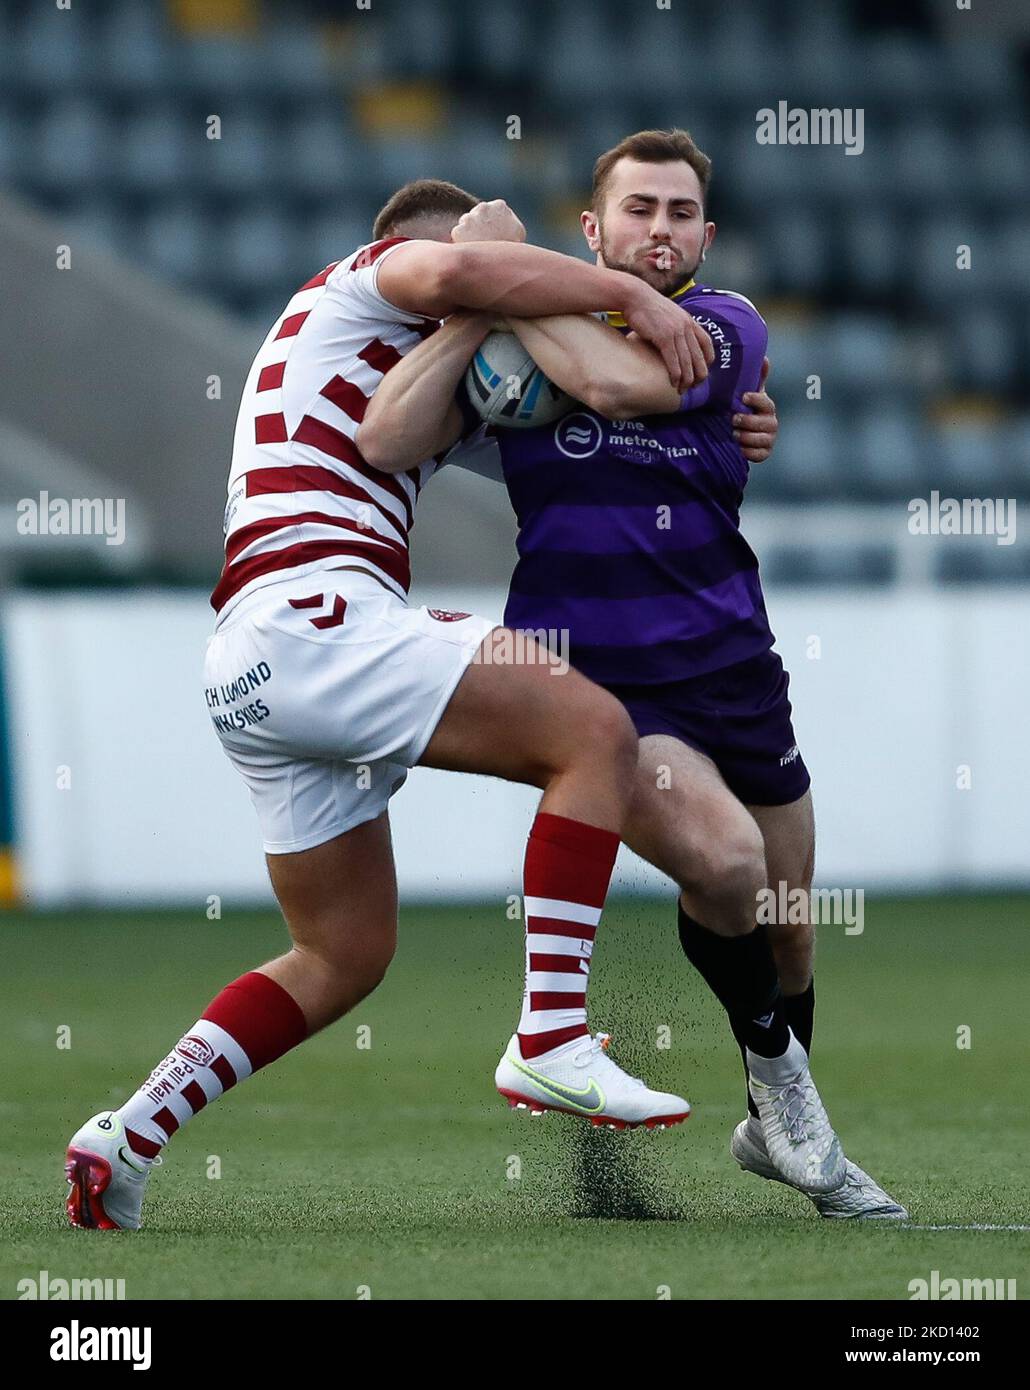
(397, 1169)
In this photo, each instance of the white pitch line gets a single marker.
(976, 1226)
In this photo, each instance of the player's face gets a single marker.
(652, 223)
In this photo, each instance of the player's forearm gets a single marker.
(412, 414)
(528, 281)
(614, 375)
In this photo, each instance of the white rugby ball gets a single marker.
(507, 388)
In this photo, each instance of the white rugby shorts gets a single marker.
(324, 691)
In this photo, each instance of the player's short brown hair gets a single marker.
(651, 147)
(423, 198)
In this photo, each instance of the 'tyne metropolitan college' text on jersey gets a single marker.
(629, 530)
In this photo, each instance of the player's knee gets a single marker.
(607, 737)
(731, 869)
(589, 735)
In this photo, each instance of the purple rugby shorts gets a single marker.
(739, 717)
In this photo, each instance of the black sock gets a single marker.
(800, 1010)
(741, 973)
(801, 1015)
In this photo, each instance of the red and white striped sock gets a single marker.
(251, 1023)
(568, 868)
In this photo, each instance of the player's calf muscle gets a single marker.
(793, 950)
(326, 986)
(339, 901)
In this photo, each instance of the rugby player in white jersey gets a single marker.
(325, 687)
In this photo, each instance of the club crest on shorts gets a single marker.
(444, 615)
(195, 1050)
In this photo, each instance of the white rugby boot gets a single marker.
(107, 1179)
(799, 1139)
(579, 1078)
(861, 1197)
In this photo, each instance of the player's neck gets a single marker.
(679, 293)
(616, 320)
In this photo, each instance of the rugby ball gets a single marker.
(507, 388)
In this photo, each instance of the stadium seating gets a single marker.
(102, 120)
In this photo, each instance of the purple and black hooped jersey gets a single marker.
(629, 535)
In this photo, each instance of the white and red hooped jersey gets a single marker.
(301, 496)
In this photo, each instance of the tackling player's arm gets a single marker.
(435, 279)
(615, 375)
(621, 376)
(412, 414)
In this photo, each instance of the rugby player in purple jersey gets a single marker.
(629, 541)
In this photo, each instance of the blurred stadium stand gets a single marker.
(325, 109)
